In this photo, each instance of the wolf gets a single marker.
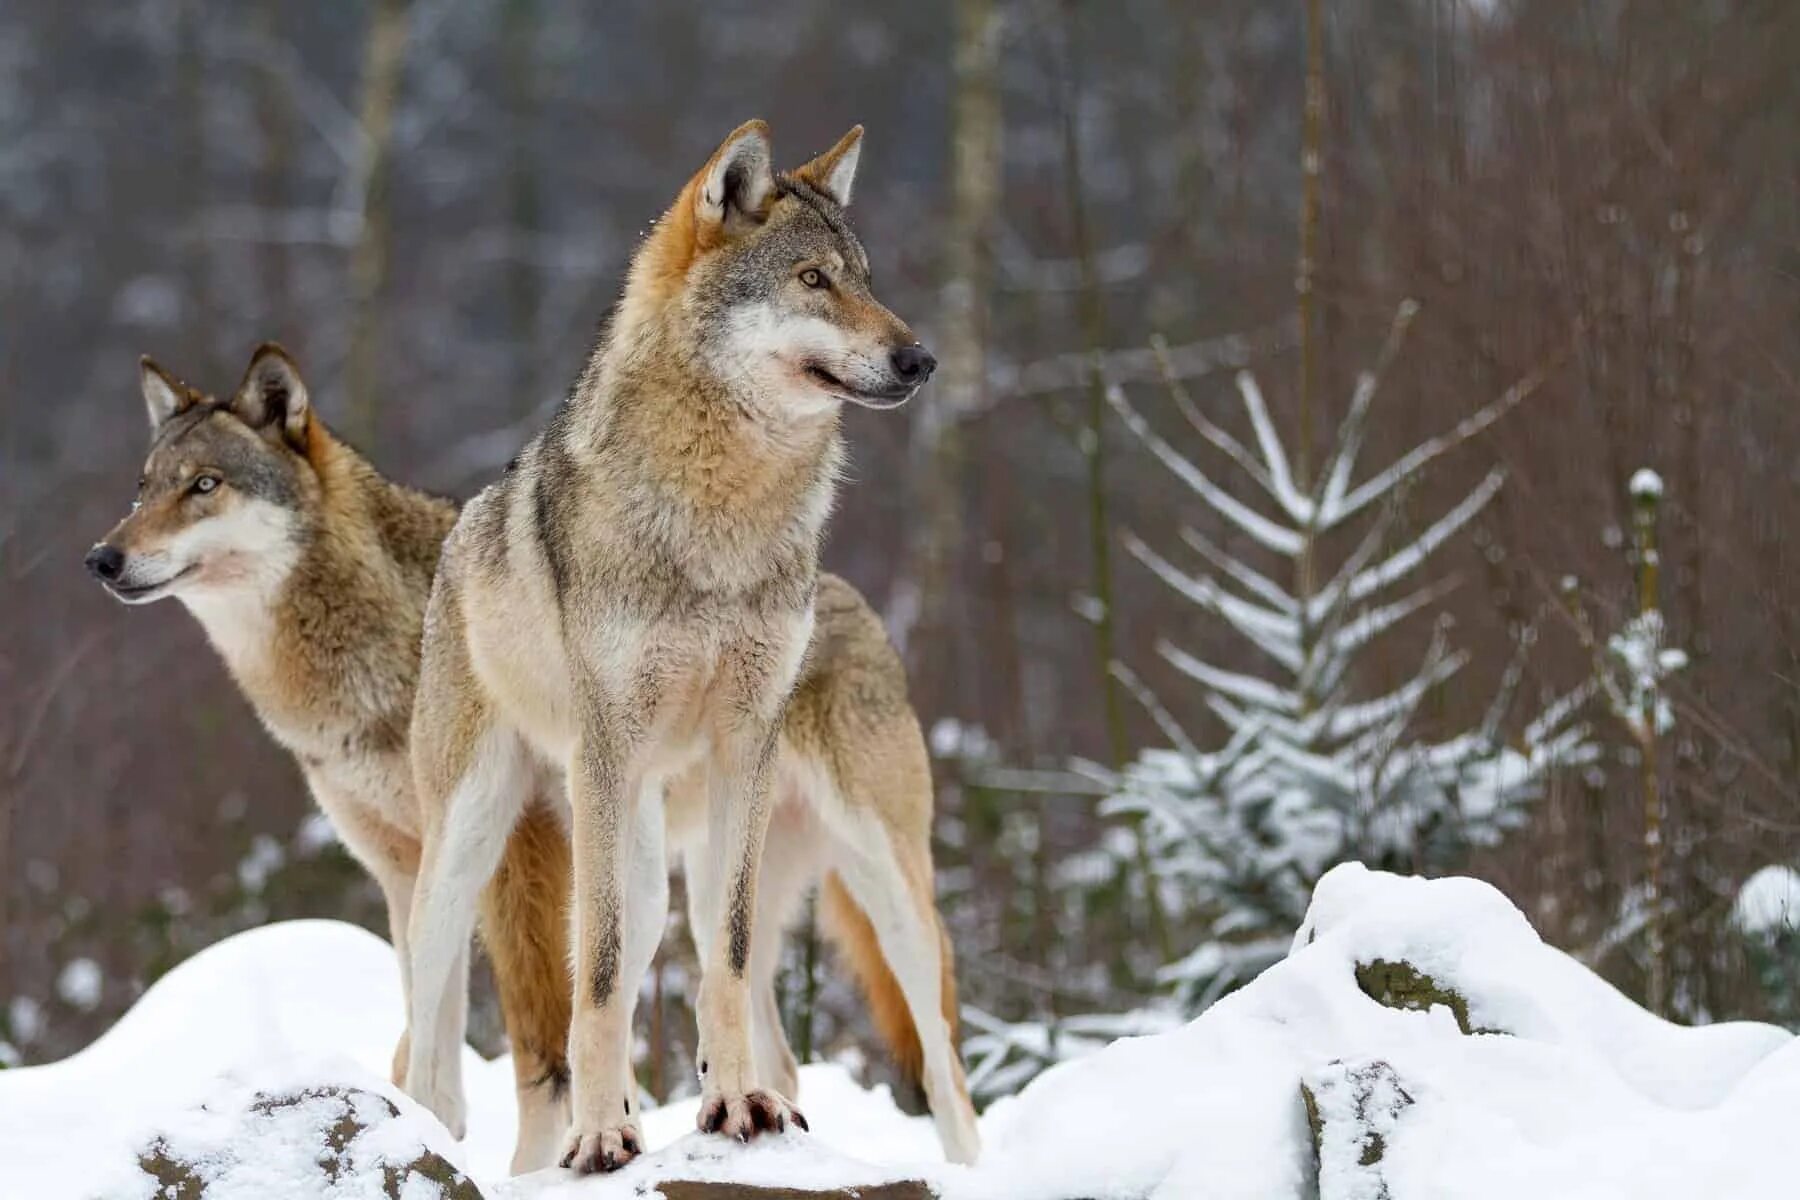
(309, 572)
(628, 611)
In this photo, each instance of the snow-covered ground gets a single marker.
(1579, 1093)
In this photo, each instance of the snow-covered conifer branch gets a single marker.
(1268, 533)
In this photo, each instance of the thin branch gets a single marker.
(1253, 581)
(1334, 480)
(1428, 450)
(1297, 506)
(1275, 537)
(1203, 425)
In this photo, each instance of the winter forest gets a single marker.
(1364, 432)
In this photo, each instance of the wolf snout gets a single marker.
(913, 364)
(105, 562)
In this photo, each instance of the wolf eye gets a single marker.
(812, 277)
(204, 484)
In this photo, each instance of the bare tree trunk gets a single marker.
(383, 57)
(519, 34)
(274, 119)
(1093, 449)
(659, 1038)
(191, 78)
(1306, 275)
(940, 446)
(1644, 506)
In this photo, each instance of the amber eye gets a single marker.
(204, 484)
(812, 277)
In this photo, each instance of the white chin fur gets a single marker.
(761, 348)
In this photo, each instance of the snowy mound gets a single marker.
(1418, 1041)
(1575, 1091)
(270, 1013)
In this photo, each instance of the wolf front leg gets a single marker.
(616, 853)
(733, 1099)
(391, 855)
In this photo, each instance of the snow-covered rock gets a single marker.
(1563, 1087)
(1769, 902)
(328, 1142)
(1583, 1093)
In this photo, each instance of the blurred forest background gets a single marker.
(1170, 670)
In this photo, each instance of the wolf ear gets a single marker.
(734, 185)
(164, 395)
(273, 396)
(834, 172)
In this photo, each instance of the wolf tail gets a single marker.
(524, 926)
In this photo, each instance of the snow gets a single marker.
(1580, 1093)
(1643, 663)
(1769, 902)
(265, 858)
(1584, 1095)
(1645, 484)
(26, 1017)
(80, 983)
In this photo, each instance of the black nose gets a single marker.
(106, 562)
(913, 364)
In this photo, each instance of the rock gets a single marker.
(323, 1130)
(674, 1189)
(1401, 985)
(1353, 1110)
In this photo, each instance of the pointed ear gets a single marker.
(834, 172)
(164, 395)
(731, 192)
(273, 396)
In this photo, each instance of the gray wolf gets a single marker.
(310, 572)
(628, 611)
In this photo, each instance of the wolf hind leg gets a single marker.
(793, 853)
(463, 846)
(471, 778)
(887, 874)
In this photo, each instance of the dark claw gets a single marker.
(631, 1144)
(800, 1120)
(714, 1118)
(569, 1158)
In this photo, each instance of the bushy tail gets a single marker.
(850, 930)
(524, 925)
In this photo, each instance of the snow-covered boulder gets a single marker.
(1576, 1092)
(333, 1143)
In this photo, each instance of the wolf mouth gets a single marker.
(145, 591)
(888, 397)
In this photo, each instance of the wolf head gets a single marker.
(772, 285)
(221, 504)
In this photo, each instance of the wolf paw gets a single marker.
(746, 1114)
(591, 1151)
